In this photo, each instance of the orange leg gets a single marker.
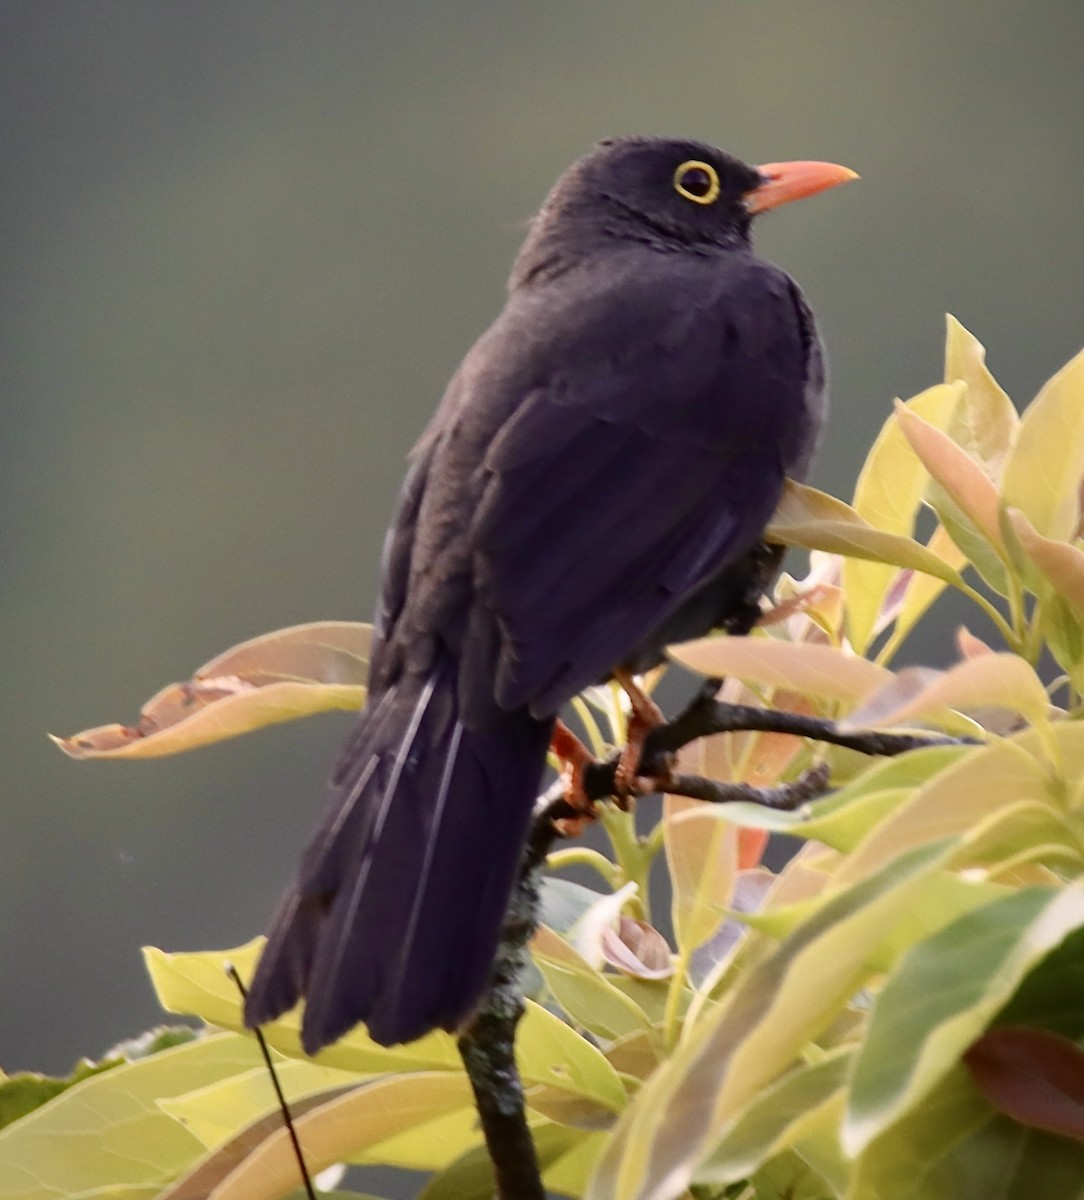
(644, 717)
(574, 756)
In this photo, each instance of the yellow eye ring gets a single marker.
(697, 181)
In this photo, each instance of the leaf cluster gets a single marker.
(897, 1012)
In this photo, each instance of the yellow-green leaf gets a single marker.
(946, 991)
(218, 1111)
(799, 666)
(774, 1010)
(583, 991)
(196, 984)
(985, 422)
(814, 520)
(889, 491)
(776, 1118)
(551, 1054)
(891, 482)
(965, 793)
(107, 1136)
(702, 856)
(355, 1127)
(989, 681)
(1044, 470)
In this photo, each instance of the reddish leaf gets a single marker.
(1032, 1075)
(751, 846)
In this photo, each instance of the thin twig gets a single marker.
(287, 1119)
(705, 716)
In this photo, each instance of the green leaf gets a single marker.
(770, 1015)
(107, 1135)
(197, 985)
(1044, 469)
(1050, 994)
(584, 992)
(954, 1146)
(566, 1076)
(963, 794)
(217, 1112)
(357, 1126)
(778, 1116)
(277, 677)
(944, 993)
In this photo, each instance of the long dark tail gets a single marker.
(396, 913)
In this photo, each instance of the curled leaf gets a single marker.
(985, 423)
(279, 676)
(637, 949)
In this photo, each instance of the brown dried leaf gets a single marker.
(279, 676)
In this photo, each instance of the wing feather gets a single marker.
(617, 489)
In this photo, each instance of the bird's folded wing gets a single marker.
(620, 487)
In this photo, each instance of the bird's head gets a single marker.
(669, 194)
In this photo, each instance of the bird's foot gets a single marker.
(645, 715)
(575, 757)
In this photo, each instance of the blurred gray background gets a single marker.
(244, 245)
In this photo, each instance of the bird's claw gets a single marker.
(574, 757)
(645, 715)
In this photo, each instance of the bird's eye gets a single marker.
(697, 181)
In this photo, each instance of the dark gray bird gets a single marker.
(593, 486)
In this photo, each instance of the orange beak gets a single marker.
(788, 181)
